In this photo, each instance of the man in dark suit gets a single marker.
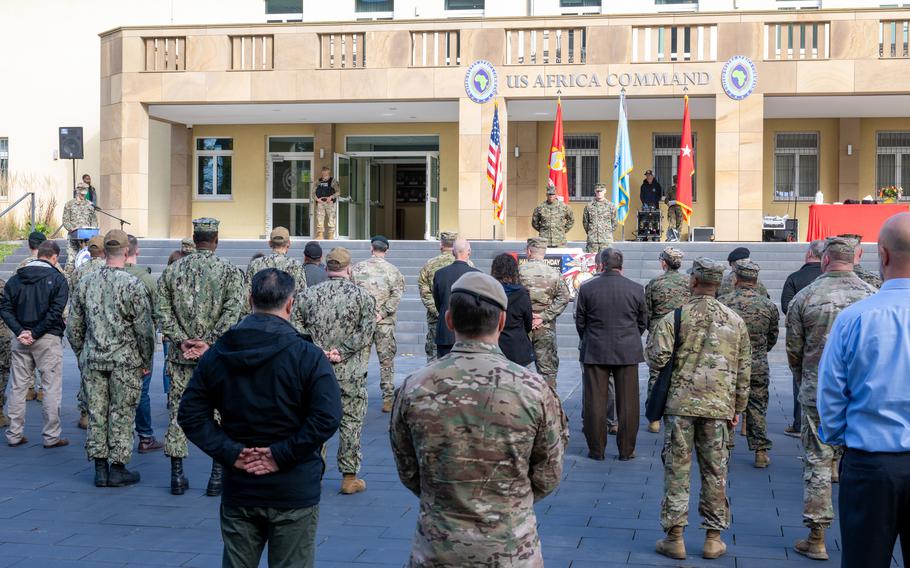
(442, 290)
(610, 316)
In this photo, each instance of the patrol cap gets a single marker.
(738, 253)
(672, 254)
(205, 225)
(312, 250)
(279, 236)
(35, 238)
(187, 245)
(537, 243)
(338, 259)
(115, 240)
(600, 187)
(447, 238)
(746, 268)
(551, 189)
(96, 244)
(857, 239)
(707, 270)
(379, 239)
(483, 287)
(840, 245)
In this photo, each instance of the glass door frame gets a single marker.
(269, 200)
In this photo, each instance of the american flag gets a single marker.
(494, 170)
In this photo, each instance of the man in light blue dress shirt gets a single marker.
(864, 404)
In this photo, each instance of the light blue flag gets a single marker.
(622, 165)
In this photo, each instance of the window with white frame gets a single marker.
(214, 158)
(582, 165)
(284, 10)
(374, 8)
(892, 160)
(665, 154)
(464, 4)
(795, 165)
(4, 158)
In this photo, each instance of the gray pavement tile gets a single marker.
(140, 557)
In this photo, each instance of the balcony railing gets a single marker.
(556, 46)
(671, 44)
(165, 53)
(436, 48)
(252, 53)
(894, 39)
(342, 50)
(786, 41)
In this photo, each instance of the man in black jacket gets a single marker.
(279, 403)
(442, 290)
(806, 275)
(32, 308)
(610, 316)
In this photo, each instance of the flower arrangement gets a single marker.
(890, 193)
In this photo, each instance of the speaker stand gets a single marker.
(74, 175)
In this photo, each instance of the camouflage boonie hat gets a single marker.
(707, 270)
(280, 236)
(537, 243)
(187, 245)
(746, 269)
(483, 287)
(96, 243)
(672, 254)
(338, 259)
(205, 225)
(840, 245)
(447, 238)
(115, 240)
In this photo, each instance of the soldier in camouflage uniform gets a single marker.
(762, 319)
(663, 294)
(599, 220)
(869, 277)
(77, 213)
(674, 212)
(280, 243)
(709, 388)
(809, 318)
(187, 246)
(340, 317)
(549, 298)
(425, 287)
(97, 262)
(477, 407)
(553, 219)
(199, 298)
(111, 331)
(726, 287)
(385, 283)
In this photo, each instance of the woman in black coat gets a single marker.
(514, 340)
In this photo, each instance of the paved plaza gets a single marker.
(603, 514)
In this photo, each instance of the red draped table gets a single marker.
(866, 220)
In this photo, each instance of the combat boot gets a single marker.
(31, 394)
(673, 546)
(350, 484)
(216, 480)
(40, 396)
(654, 427)
(179, 482)
(119, 476)
(83, 421)
(761, 459)
(814, 546)
(387, 406)
(835, 471)
(102, 471)
(714, 546)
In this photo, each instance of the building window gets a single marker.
(892, 160)
(375, 8)
(4, 158)
(213, 167)
(464, 4)
(283, 7)
(579, 3)
(582, 165)
(795, 165)
(417, 143)
(665, 151)
(671, 2)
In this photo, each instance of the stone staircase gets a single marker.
(777, 260)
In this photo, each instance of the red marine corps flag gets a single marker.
(686, 166)
(558, 158)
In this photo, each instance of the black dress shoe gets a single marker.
(594, 456)
(627, 458)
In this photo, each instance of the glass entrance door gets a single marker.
(353, 175)
(432, 223)
(290, 180)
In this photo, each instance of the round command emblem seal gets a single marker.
(738, 77)
(480, 81)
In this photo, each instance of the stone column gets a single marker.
(181, 181)
(124, 165)
(522, 182)
(848, 166)
(324, 139)
(738, 168)
(475, 208)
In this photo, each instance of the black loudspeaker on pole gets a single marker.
(71, 146)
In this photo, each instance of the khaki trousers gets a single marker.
(45, 354)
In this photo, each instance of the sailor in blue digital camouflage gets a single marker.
(871, 278)
(762, 319)
(199, 298)
(340, 317)
(709, 388)
(96, 262)
(78, 213)
(425, 287)
(553, 219)
(111, 332)
(599, 220)
(549, 298)
(385, 283)
(810, 316)
(663, 294)
(479, 440)
(280, 243)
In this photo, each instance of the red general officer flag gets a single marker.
(558, 176)
(686, 166)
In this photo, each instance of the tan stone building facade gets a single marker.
(236, 121)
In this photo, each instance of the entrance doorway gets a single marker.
(290, 179)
